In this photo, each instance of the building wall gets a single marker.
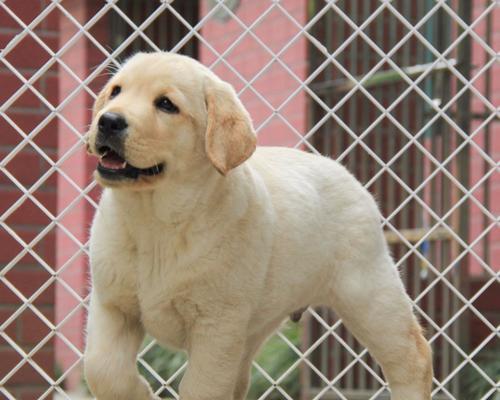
(27, 275)
(248, 57)
(82, 57)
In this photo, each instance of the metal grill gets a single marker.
(392, 89)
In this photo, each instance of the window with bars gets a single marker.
(165, 31)
(377, 80)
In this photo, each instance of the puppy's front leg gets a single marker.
(215, 353)
(113, 340)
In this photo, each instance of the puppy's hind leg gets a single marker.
(373, 305)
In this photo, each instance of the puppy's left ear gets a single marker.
(230, 138)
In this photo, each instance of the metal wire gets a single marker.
(326, 110)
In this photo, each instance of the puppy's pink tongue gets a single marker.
(112, 161)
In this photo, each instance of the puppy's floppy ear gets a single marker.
(230, 138)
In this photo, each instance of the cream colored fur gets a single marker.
(213, 263)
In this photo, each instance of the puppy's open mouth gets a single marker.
(113, 166)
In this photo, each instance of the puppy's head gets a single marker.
(164, 115)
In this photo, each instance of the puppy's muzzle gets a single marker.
(112, 128)
(110, 146)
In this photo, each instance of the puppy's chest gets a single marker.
(165, 293)
(168, 304)
(168, 318)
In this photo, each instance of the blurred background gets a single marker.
(404, 93)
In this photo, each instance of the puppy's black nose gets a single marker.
(112, 123)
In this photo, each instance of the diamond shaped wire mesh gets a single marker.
(400, 92)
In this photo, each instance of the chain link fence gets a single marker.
(404, 93)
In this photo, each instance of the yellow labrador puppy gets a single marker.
(208, 243)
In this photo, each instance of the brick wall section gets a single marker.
(248, 57)
(27, 221)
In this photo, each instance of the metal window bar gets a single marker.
(166, 30)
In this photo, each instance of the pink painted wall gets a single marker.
(248, 57)
(72, 262)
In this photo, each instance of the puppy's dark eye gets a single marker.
(164, 104)
(115, 92)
